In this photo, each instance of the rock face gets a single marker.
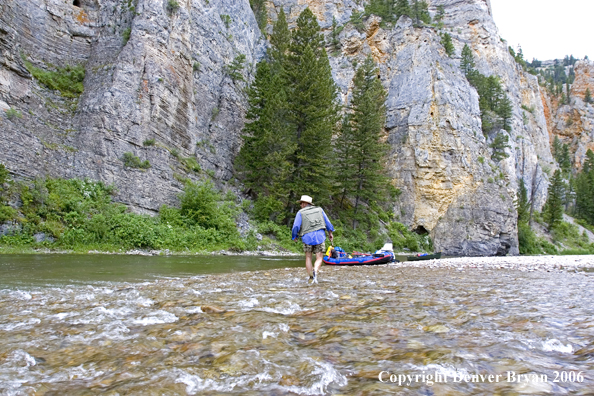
(170, 82)
(573, 123)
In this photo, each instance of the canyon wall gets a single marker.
(171, 82)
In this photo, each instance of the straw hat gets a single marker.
(306, 199)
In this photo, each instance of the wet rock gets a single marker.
(43, 237)
(212, 309)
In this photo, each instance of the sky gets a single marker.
(547, 29)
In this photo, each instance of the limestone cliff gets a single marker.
(573, 123)
(171, 82)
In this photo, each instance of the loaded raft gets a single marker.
(337, 256)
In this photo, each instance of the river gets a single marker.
(216, 325)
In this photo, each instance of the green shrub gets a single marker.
(7, 213)
(446, 41)
(226, 20)
(403, 238)
(68, 80)
(126, 35)
(267, 208)
(148, 142)
(203, 206)
(13, 113)
(172, 6)
(191, 164)
(235, 68)
(259, 9)
(132, 161)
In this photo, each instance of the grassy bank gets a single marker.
(80, 216)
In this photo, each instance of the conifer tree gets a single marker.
(312, 111)
(556, 149)
(522, 203)
(279, 43)
(363, 164)
(553, 210)
(500, 143)
(440, 13)
(402, 8)
(446, 41)
(267, 139)
(467, 63)
(584, 190)
(420, 12)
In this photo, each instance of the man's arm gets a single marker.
(296, 226)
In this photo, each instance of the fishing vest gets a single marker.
(312, 219)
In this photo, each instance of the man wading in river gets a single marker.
(311, 224)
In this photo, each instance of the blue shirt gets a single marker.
(314, 237)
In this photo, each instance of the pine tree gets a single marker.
(556, 149)
(504, 110)
(420, 12)
(267, 140)
(446, 41)
(553, 210)
(565, 159)
(279, 43)
(259, 9)
(584, 190)
(467, 62)
(402, 8)
(522, 203)
(312, 111)
(363, 164)
(440, 13)
(500, 143)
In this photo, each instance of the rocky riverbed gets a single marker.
(270, 332)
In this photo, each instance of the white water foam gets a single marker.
(194, 310)
(252, 302)
(145, 302)
(195, 384)
(21, 295)
(555, 345)
(284, 327)
(20, 325)
(289, 310)
(158, 317)
(21, 358)
(267, 334)
(326, 374)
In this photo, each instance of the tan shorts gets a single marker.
(321, 248)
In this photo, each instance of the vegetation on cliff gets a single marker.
(289, 148)
(80, 215)
(67, 80)
(495, 105)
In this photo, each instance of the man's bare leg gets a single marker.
(308, 263)
(319, 259)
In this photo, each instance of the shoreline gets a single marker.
(545, 263)
(521, 263)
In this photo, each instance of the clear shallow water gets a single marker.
(54, 269)
(269, 332)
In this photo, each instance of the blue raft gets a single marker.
(377, 258)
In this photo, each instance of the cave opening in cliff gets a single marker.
(76, 3)
(421, 230)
